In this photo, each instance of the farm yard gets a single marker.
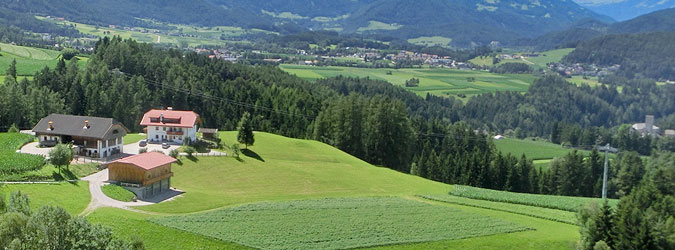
(326, 194)
(460, 84)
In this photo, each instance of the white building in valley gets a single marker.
(170, 126)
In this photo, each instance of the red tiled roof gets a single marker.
(147, 161)
(186, 119)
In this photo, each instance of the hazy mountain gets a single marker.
(658, 21)
(625, 9)
(466, 22)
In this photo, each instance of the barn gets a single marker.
(146, 174)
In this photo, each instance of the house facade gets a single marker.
(146, 174)
(170, 126)
(94, 137)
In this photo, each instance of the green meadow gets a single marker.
(289, 192)
(538, 62)
(435, 81)
(533, 149)
(29, 60)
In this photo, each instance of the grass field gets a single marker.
(375, 25)
(279, 172)
(73, 197)
(431, 41)
(133, 138)
(439, 82)
(566, 203)
(539, 62)
(535, 150)
(305, 169)
(28, 60)
(195, 36)
(118, 193)
(537, 212)
(338, 223)
(11, 162)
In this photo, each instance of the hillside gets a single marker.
(658, 21)
(647, 55)
(626, 9)
(465, 22)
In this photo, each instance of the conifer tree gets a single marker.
(245, 135)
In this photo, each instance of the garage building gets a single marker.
(146, 175)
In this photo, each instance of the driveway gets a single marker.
(133, 148)
(99, 199)
(32, 148)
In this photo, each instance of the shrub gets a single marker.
(142, 150)
(174, 153)
(69, 53)
(189, 150)
(236, 150)
(13, 129)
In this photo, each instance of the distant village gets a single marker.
(578, 69)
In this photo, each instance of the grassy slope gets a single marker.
(547, 234)
(536, 62)
(536, 150)
(29, 60)
(129, 225)
(72, 197)
(118, 193)
(133, 138)
(440, 82)
(287, 169)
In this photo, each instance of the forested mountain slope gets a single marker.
(465, 22)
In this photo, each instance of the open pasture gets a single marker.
(566, 203)
(12, 162)
(435, 81)
(73, 197)
(338, 223)
(28, 60)
(535, 150)
(280, 168)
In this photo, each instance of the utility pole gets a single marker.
(606, 149)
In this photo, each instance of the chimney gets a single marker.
(86, 124)
(51, 125)
(649, 124)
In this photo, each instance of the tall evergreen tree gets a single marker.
(245, 130)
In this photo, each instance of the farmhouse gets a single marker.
(146, 175)
(647, 127)
(94, 137)
(170, 126)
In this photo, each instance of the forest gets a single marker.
(645, 55)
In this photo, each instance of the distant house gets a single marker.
(669, 133)
(209, 132)
(94, 137)
(498, 137)
(146, 174)
(170, 126)
(647, 127)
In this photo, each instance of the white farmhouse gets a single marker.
(170, 126)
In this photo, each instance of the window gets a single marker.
(164, 128)
(156, 136)
(156, 128)
(115, 131)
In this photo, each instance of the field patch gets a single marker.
(537, 212)
(535, 150)
(338, 223)
(73, 197)
(431, 41)
(28, 60)
(12, 162)
(437, 81)
(375, 25)
(567, 203)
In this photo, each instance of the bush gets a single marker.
(189, 150)
(142, 150)
(174, 153)
(69, 53)
(236, 150)
(13, 129)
